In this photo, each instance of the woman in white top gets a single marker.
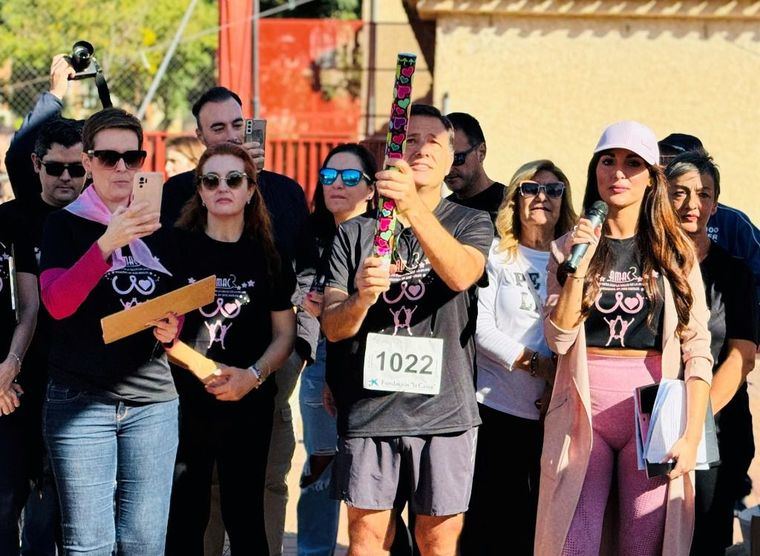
(514, 363)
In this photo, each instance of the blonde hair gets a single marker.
(508, 225)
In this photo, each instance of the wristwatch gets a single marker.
(256, 372)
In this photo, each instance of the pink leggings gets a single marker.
(641, 501)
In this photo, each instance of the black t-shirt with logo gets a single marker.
(24, 221)
(236, 328)
(133, 369)
(620, 315)
(23, 261)
(730, 292)
(418, 304)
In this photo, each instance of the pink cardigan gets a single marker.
(567, 429)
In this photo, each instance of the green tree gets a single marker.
(130, 39)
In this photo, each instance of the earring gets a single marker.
(203, 204)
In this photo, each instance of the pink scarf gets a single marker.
(91, 207)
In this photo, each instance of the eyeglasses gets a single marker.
(109, 158)
(459, 158)
(233, 180)
(553, 190)
(350, 176)
(56, 169)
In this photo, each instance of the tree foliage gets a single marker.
(130, 39)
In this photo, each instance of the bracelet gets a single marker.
(11, 354)
(258, 375)
(534, 364)
(574, 277)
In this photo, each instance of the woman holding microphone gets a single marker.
(110, 414)
(632, 312)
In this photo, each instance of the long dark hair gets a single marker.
(663, 245)
(256, 222)
(323, 220)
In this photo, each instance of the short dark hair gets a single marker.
(694, 161)
(214, 94)
(433, 112)
(61, 131)
(109, 118)
(469, 125)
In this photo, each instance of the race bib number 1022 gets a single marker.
(401, 364)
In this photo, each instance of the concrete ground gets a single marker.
(739, 549)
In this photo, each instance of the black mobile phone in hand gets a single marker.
(255, 130)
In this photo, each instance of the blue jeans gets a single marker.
(317, 513)
(113, 466)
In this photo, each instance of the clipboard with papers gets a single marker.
(660, 420)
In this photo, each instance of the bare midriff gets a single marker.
(616, 352)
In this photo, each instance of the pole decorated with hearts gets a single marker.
(394, 149)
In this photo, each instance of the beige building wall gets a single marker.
(544, 78)
(394, 34)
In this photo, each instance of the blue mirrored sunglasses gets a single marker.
(350, 176)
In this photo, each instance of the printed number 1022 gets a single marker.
(397, 363)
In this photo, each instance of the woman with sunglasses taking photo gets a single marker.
(110, 414)
(514, 363)
(632, 313)
(345, 190)
(249, 330)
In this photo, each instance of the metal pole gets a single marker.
(165, 62)
(369, 124)
(255, 60)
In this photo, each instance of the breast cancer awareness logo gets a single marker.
(228, 309)
(630, 305)
(412, 292)
(144, 286)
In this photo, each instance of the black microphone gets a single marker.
(596, 214)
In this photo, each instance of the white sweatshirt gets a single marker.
(509, 320)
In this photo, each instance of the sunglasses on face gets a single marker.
(233, 180)
(56, 169)
(553, 190)
(459, 158)
(109, 158)
(350, 176)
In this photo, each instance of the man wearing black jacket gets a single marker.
(219, 117)
(44, 163)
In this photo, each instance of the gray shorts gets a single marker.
(432, 473)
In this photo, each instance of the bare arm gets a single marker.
(22, 335)
(343, 314)
(732, 373)
(232, 383)
(458, 265)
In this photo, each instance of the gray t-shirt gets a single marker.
(418, 304)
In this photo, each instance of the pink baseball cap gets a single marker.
(633, 136)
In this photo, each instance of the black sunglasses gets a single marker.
(109, 158)
(56, 169)
(233, 180)
(553, 190)
(459, 158)
(350, 176)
